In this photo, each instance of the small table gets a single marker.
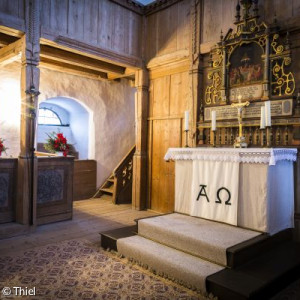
(251, 188)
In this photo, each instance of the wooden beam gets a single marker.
(6, 39)
(71, 69)
(129, 73)
(96, 52)
(63, 56)
(10, 52)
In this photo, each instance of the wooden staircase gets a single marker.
(119, 184)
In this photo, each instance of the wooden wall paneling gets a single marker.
(183, 26)
(166, 134)
(179, 93)
(151, 98)
(151, 36)
(12, 7)
(76, 19)
(118, 38)
(106, 25)
(90, 25)
(167, 35)
(135, 34)
(161, 96)
(212, 21)
(59, 16)
(46, 13)
(127, 31)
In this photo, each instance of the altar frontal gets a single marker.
(251, 188)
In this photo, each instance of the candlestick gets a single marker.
(186, 120)
(262, 118)
(268, 113)
(186, 138)
(213, 120)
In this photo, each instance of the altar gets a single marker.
(250, 188)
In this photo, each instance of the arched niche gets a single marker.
(77, 124)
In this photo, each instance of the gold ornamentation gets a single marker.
(262, 41)
(283, 83)
(218, 62)
(212, 92)
(278, 49)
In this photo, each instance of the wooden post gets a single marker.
(30, 77)
(139, 183)
(196, 74)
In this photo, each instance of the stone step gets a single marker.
(199, 237)
(176, 265)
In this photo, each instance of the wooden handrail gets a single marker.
(123, 161)
(123, 178)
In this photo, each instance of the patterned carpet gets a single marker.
(77, 269)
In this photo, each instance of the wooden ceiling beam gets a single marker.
(129, 73)
(71, 69)
(11, 52)
(74, 59)
(6, 39)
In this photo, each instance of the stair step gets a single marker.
(109, 238)
(111, 180)
(107, 190)
(203, 238)
(260, 278)
(178, 265)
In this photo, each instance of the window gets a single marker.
(48, 117)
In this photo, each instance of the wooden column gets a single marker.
(139, 183)
(30, 77)
(196, 73)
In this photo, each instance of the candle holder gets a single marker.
(186, 138)
(214, 138)
(263, 140)
(269, 136)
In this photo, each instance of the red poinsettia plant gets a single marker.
(2, 147)
(57, 143)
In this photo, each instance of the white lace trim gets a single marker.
(253, 155)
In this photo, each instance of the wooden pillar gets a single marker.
(196, 73)
(139, 184)
(30, 77)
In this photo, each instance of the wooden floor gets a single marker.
(89, 218)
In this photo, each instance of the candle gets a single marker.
(268, 113)
(262, 118)
(186, 120)
(213, 120)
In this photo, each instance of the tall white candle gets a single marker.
(213, 120)
(268, 113)
(262, 118)
(186, 120)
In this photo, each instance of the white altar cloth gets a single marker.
(265, 184)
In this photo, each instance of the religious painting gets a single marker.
(246, 65)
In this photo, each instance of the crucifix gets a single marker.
(240, 140)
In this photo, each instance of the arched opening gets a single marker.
(70, 117)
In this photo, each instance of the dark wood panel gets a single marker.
(54, 173)
(8, 187)
(85, 177)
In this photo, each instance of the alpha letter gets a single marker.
(202, 192)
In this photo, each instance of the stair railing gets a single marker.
(123, 179)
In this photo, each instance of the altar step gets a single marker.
(199, 237)
(173, 248)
